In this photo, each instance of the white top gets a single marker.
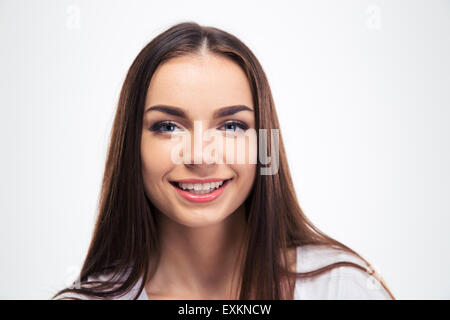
(340, 283)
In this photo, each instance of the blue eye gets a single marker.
(160, 126)
(235, 125)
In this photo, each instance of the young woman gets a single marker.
(206, 229)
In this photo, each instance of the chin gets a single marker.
(200, 218)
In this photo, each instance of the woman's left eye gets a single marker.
(234, 126)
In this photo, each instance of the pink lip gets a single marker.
(202, 197)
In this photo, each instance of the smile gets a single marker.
(196, 191)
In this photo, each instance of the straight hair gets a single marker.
(126, 234)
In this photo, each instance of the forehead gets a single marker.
(194, 81)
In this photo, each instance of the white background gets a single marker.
(362, 93)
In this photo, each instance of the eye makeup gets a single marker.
(171, 126)
(157, 127)
(242, 125)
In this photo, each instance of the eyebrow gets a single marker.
(178, 112)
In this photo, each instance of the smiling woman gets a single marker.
(214, 102)
(206, 229)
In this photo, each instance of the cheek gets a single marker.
(247, 171)
(241, 149)
(246, 175)
(156, 159)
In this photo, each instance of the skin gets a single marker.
(199, 241)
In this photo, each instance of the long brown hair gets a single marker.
(125, 233)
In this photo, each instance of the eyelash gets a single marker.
(157, 126)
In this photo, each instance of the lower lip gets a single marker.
(207, 197)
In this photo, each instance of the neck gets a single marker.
(202, 262)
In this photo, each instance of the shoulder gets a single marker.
(342, 282)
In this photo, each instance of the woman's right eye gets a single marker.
(165, 126)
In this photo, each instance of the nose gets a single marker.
(199, 142)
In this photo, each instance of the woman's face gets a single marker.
(197, 86)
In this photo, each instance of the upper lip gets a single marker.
(199, 180)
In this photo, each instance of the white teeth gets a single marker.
(200, 188)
